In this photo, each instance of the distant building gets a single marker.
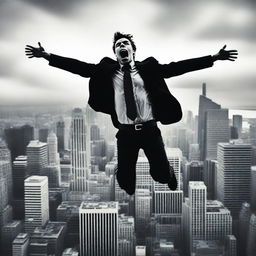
(52, 235)
(98, 229)
(17, 139)
(79, 164)
(216, 130)
(36, 202)
(60, 127)
(37, 157)
(233, 175)
(204, 105)
(20, 245)
(238, 123)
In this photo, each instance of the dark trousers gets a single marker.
(129, 142)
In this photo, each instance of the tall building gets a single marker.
(60, 129)
(218, 221)
(251, 245)
(79, 163)
(37, 157)
(19, 168)
(194, 215)
(68, 211)
(143, 178)
(233, 175)
(244, 222)
(194, 171)
(17, 139)
(253, 188)
(238, 123)
(20, 245)
(36, 202)
(8, 234)
(230, 246)
(52, 170)
(216, 130)
(143, 209)
(52, 234)
(126, 235)
(5, 192)
(210, 178)
(53, 156)
(98, 229)
(43, 134)
(252, 134)
(204, 105)
(194, 152)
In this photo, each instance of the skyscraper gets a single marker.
(238, 123)
(204, 105)
(216, 130)
(143, 209)
(19, 175)
(20, 245)
(253, 188)
(126, 235)
(194, 214)
(36, 202)
(98, 229)
(17, 139)
(61, 135)
(36, 157)
(218, 221)
(53, 156)
(233, 175)
(251, 245)
(52, 170)
(79, 163)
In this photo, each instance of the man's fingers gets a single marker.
(31, 57)
(29, 46)
(39, 44)
(224, 47)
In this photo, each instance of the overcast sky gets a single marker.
(168, 30)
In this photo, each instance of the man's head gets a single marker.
(124, 47)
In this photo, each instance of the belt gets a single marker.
(138, 126)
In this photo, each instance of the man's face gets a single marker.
(124, 51)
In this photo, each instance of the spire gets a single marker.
(204, 89)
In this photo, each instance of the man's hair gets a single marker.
(119, 35)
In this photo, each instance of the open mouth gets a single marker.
(124, 53)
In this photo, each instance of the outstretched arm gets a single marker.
(37, 52)
(184, 66)
(72, 65)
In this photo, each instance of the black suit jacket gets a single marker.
(166, 108)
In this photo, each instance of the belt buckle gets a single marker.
(138, 127)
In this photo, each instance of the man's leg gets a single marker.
(160, 169)
(127, 155)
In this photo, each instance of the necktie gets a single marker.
(128, 93)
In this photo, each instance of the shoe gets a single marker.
(130, 192)
(172, 183)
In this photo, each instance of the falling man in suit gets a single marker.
(136, 97)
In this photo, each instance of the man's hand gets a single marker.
(39, 52)
(225, 55)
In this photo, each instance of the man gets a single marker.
(136, 96)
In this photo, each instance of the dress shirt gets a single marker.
(143, 105)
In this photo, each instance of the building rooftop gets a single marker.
(51, 230)
(197, 184)
(35, 179)
(99, 205)
(173, 152)
(20, 238)
(216, 206)
(36, 144)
